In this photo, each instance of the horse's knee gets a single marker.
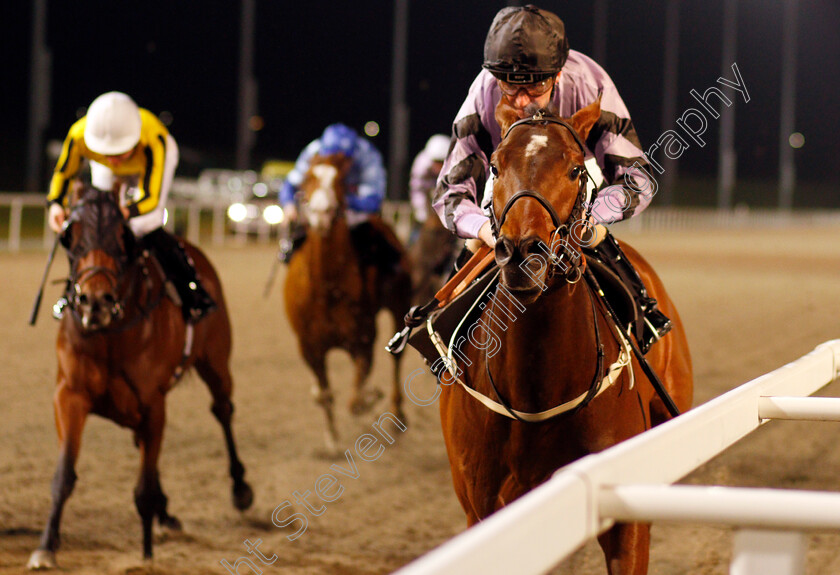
(222, 410)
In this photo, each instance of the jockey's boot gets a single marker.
(180, 270)
(656, 323)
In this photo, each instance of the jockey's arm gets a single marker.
(619, 154)
(371, 189)
(149, 191)
(418, 186)
(456, 200)
(66, 169)
(294, 179)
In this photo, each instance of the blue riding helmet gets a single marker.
(339, 138)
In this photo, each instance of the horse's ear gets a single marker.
(505, 115)
(585, 118)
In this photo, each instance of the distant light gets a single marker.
(371, 128)
(165, 216)
(796, 140)
(273, 214)
(256, 123)
(260, 189)
(237, 212)
(166, 118)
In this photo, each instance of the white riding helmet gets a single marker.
(113, 124)
(438, 147)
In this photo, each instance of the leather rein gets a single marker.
(562, 230)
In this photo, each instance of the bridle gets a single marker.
(103, 239)
(569, 258)
(572, 274)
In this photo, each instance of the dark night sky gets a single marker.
(318, 62)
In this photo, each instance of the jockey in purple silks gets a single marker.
(527, 61)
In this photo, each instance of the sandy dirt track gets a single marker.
(751, 302)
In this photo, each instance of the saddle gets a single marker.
(435, 327)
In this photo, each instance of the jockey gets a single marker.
(365, 192)
(527, 61)
(129, 146)
(424, 174)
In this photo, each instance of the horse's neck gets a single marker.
(331, 253)
(564, 313)
(551, 339)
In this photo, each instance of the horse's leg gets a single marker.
(323, 395)
(71, 410)
(218, 380)
(626, 548)
(363, 398)
(148, 495)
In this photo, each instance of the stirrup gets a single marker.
(656, 325)
(199, 305)
(59, 307)
(285, 252)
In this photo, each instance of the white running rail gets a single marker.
(631, 481)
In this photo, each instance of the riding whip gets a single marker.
(34, 315)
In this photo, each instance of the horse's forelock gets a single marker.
(98, 224)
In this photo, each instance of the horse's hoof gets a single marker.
(171, 523)
(243, 496)
(41, 559)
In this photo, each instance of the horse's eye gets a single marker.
(494, 170)
(575, 173)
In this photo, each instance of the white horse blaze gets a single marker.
(537, 143)
(323, 199)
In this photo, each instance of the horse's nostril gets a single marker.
(530, 246)
(83, 299)
(504, 250)
(108, 299)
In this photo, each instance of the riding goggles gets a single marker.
(534, 89)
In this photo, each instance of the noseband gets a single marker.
(562, 230)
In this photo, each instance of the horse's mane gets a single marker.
(98, 210)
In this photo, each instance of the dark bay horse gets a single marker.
(332, 297)
(432, 257)
(548, 329)
(122, 345)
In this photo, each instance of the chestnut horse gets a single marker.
(549, 329)
(332, 298)
(122, 345)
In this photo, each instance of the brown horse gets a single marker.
(432, 256)
(537, 346)
(332, 297)
(122, 345)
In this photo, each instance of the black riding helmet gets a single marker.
(525, 45)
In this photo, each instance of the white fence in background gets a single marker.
(202, 217)
(201, 220)
(631, 482)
